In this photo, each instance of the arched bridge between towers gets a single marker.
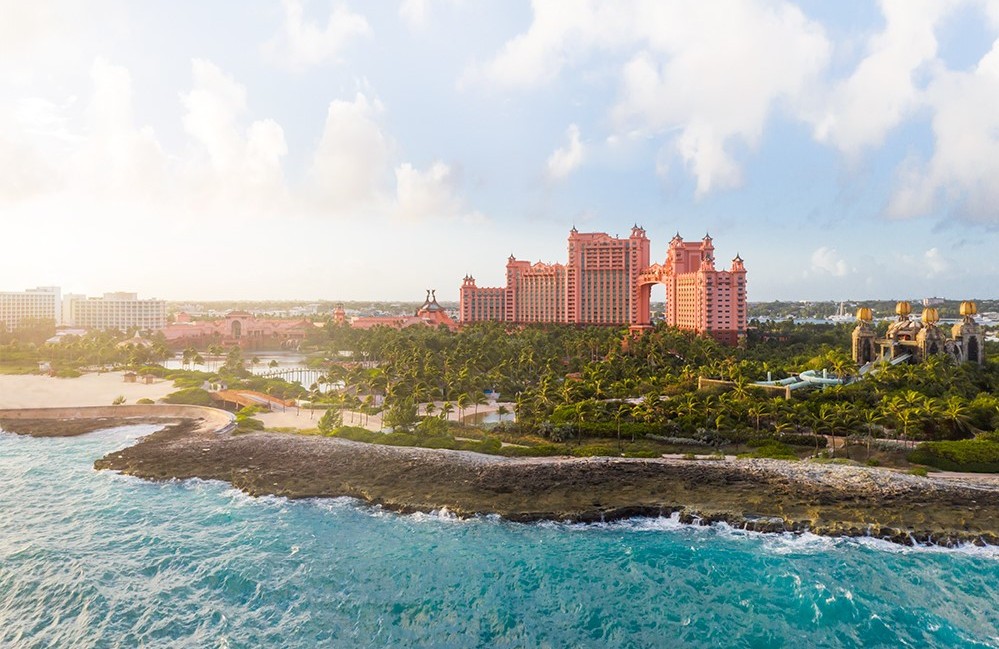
(654, 274)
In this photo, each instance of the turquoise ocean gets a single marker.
(96, 559)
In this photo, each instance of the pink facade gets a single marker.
(238, 328)
(430, 314)
(608, 281)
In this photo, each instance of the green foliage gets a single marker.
(980, 455)
(595, 450)
(541, 450)
(357, 434)
(330, 421)
(432, 427)
(773, 450)
(68, 373)
(119, 400)
(921, 471)
(642, 454)
(190, 396)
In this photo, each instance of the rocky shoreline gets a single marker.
(759, 495)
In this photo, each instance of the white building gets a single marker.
(40, 303)
(121, 311)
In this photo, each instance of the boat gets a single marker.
(841, 315)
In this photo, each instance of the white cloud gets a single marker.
(302, 43)
(826, 260)
(414, 13)
(965, 160)
(882, 91)
(934, 262)
(563, 161)
(229, 165)
(350, 166)
(704, 76)
(428, 194)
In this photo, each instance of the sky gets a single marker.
(308, 149)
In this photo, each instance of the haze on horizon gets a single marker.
(366, 151)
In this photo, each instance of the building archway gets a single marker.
(236, 329)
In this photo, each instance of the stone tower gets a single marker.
(969, 335)
(864, 347)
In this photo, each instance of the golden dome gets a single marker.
(903, 309)
(968, 308)
(930, 315)
(865, 314)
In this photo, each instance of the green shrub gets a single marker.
(356, 434)
(190, 397)
(919, 470)
(397, 438)
(67, 373)
(541, 450)
(440, 441)
(331, 420)
(980, 455)
(145, 402)
(249, 423)
(873, 462)
(642, 454)
(596, 450)
(774, 451)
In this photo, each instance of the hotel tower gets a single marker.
(608, 281)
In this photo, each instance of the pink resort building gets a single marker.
(608, 281)
(430, 314)
(238, 328)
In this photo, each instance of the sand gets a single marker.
(32, 391)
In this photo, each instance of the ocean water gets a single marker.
(96, 559)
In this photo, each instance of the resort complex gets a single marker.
(916, 340)
(237, 329)
(608, 281)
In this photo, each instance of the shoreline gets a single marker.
(752, 494)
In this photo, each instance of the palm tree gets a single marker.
(463, 401)
(478, 399)
(871, 418)
(502, 411)
(446, 409)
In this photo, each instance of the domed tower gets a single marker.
(864, 348)
(930, 339)
(968, 335)
(904, 328)
(339, 315)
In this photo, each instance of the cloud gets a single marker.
(702, 76)
(882, 91)
(565, 160)
(827, 261)
(302, 43)
(934, 263)
(965, 160)
(929, 265)
(229, 165)
(414, 13)
(429, 194)
(350, 166)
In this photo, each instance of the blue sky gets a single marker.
(369, 150)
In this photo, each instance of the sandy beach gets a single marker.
(34, 391)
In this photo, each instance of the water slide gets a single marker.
(811, 378)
